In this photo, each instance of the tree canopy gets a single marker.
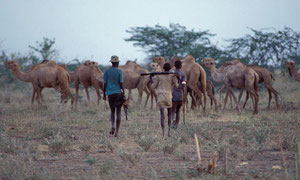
(175, 40)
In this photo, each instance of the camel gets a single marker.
(45, 75)
(194, 73)
(236, 75)
(291, 65)
(210, 90)
(266, 77)
(56, 88)
(132, 79)
(83, 75)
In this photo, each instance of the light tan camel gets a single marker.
(291, 65)
(236, 75)
(83, 75)
(46, 75)
(56, 88)
(194, 73)
(132, 79)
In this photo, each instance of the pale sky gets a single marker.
(95, 29)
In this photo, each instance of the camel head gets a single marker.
(289, 65)
(13, 65)
(155, 67)
(159, 59)
(209, 62)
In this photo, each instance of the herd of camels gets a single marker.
(232, 74)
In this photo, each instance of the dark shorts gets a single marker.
(115, 100)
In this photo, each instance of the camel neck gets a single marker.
(218, 77)
(23, 76)
(294, 73)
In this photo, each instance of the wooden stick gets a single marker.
(226, 162)
(198, 150)
(284, 163)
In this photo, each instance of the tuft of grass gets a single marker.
(132, 157)
(107, 144)
(58, 144)
(85, 147)
(106, 167)
(170, 145)
(146, 142)
(91, 161)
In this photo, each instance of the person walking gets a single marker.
(113, 88)
(164, 85)
(178, 93)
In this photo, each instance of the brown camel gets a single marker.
(45, 75)
(84, 75)
(266, 77)
(194, 73)
(210, 89)
(291, 65)
(132, 79)
(236, 75)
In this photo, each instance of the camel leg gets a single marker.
(235, 100)
(230, 97)
(241, 94)
(270, 88)
(225, 100)
(247, 97)
(220, 94)
(37, 89)
(148, 95)
(212, 101)
(98, 95)
(152, 92)
(87, 94)
(33, 95)
(198, 92)
(76, 90)
(255, 104)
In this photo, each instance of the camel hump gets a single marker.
(188, 59)
(51, 63)
(63, 66)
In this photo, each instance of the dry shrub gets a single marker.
(132, 157)
(146, 142)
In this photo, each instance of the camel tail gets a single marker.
(272, 77)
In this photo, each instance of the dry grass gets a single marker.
(56, 143)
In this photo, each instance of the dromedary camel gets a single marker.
(210, 90)
(194, 73)
(237, 75)
(56, 88)
(291, 65)
(266, 77)
(132, 79)
(47, 75)
(83, 75)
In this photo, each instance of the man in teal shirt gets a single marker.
(113, 88)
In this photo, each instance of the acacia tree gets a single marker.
(265, 47)
(44, 49)
(171, 41)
